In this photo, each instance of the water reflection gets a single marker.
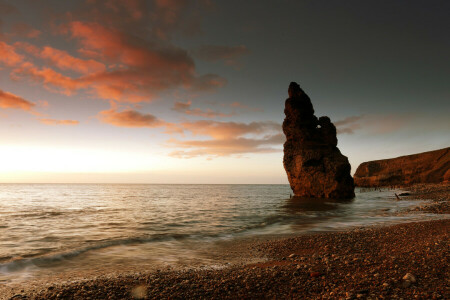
(304, 205)
(305, 214)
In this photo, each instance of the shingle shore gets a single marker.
(406, 261)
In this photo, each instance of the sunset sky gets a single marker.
(167, 91)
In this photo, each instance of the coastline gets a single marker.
(359, 263)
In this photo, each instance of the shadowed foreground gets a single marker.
(366, 263)
(361, 263)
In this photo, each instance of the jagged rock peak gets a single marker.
(314, 165)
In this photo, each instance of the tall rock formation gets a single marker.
(314, 165)
(426, 167)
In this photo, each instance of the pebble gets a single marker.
(373, 276)
(314, 274)
(409, 277)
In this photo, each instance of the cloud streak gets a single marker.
(225, 147)
(130, 118)
(228, 54)
(227, 138)
(374, 124)
(53, 122)
(9, 100)
(185, 107)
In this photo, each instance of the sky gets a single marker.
(172, 91)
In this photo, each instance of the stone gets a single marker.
(314, 274)
(314, 165)
(426, 167)
(409, 277)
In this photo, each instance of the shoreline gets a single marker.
(358, 263)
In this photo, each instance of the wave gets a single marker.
(42, 214)
(43, 261)
(21, 263)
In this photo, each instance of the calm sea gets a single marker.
(50, 229)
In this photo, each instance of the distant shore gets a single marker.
(408, 260)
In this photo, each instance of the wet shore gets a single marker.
(401, 261)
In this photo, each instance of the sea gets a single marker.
(75, 230)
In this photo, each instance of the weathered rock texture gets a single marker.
(427, 167)
(314, 165)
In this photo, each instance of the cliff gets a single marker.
(427, 167)
(314, 165)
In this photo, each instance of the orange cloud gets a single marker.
(117, 46)
(145, 67)
(9, 56)
(65, 61)
(9, 100)
(61, 59)
(127, 55)
(185, 107)
(228, 138)
(49, 77)
(129, 118)
(58, 122)
(226, 147)
(224, 130)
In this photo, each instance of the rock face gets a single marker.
(314, 165)
(427, 167)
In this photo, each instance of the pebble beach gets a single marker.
(403, 261)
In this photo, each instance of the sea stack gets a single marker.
(314, 165)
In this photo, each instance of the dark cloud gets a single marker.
(228, 54)
(24, 30)
(185, 107)
(375, 124)
(244, 107)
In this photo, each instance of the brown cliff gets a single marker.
(314, 165)
(427, 167)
